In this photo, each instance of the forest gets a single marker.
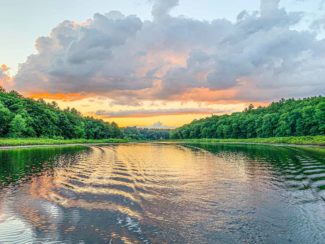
(22, 117)
(26, 117)
(287, 117)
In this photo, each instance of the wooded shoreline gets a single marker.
(7, 143)
(291, 140)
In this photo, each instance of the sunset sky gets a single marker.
(140, 62)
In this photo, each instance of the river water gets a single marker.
(162, 193)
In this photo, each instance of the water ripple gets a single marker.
(149, 193)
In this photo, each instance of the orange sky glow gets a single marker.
(87, 104)
(179, 109)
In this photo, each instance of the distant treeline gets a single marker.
(289, 117)
(135, 133)
(25, 117)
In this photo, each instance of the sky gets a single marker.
(162, 62)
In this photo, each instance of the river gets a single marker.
(162, 193)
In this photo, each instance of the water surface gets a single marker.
(162, 193)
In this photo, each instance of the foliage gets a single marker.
(297, 140)
(303, 117)
(135, 133)
(18, 126)
(25, 117)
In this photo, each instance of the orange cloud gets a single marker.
(227, 96)
(61, 96)
(208, 95)
(4, 67)
(142, 113)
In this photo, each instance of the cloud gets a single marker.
(5, 78)
(261, 56)
(269, 7)
(161, 8)
(158, 112)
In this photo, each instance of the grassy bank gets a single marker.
(300, 140)
(45, 141)
(296, 140)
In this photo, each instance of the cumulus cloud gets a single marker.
(5, 78)
(260, 56)
(158, 112)
(161, 8)
(269, 7)
(2, 77)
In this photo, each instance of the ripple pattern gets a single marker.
(168, 193)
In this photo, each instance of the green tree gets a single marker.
(18, 127)
(320, 116)
(5, 117)
(284, 118)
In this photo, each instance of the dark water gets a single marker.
(160, 193)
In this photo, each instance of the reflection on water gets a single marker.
(20, 164)
(156, 193)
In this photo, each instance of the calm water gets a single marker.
(162, 193)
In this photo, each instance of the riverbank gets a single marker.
(12, 142)
(301, 140)
(293, 140)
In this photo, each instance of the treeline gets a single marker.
(289, 117)
(25, 117)
(135, 133)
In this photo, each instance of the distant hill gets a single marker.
(25, 117)
(288, 117)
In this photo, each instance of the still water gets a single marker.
(162, 193)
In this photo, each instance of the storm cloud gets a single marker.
(260, 56)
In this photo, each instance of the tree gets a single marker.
(284, 118)
(320, 116)
(40, 119)
(116, 132)
(5, 117)
(79, 130)
(18, 126)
